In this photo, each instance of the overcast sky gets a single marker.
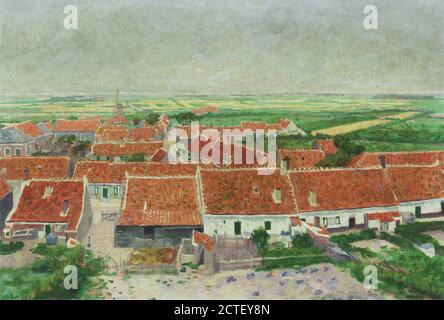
(221, 47)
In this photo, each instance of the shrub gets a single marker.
(137, 157)
(344, 240)
(302, 240)
(419, 227)
(10, 247)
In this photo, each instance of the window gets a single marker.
(8, 152)
(237, 228)
(312, 199)
(267, 225)
(277, 196)
(116, 191)
(97, 158)
(418, 212)
(18, 152)
(108, 158)
(325, 222)
(286, 164)
(331, 221)
(96, 191)
(58, 228)
(105, 193)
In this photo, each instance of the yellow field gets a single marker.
(403, 115)
(351, 127)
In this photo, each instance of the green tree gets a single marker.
(137, 121)
(152, 118)
(185, 118)
(260, 238)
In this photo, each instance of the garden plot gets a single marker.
(374, 245)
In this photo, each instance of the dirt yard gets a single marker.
(322, 281)
(375, 244)
(438, 235)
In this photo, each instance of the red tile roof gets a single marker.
(165, 201)
(301, 158)
(117, 119)
(86, 125)
(224, 153)
(244, 192)
(126, 149)
(141, 134)
(383, 216)
(34, 207)
(337, 189)
(204, 239)
(106, 172)
(412, 183)
(326, 145)
(37, 167)
(368, 159)
(5, 188)
(28, 127)
(111, 134)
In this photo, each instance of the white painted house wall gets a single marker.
(224, 224)
(427, 206)
(344, 215)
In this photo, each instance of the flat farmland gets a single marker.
(379, 123)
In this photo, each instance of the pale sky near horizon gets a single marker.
(221, 47)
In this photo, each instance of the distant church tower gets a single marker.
(119, 106)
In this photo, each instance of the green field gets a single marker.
(309, 112)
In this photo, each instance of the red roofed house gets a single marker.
(61, 207)
(237, 201)
(23, 139)
(326, 145)
(371, 159)
(106, 179)
(84, 129)
(120, 152)
(419, 189)
(299, 159)
(342, 199)
(112, 133)
(158, 211)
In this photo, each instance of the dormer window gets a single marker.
(65, 208)
(48, 192)
(285, 164)
(255, 190)
(277, 196)
(312, 199)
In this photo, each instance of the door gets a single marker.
(352, 223)
(384, 226)
(105, 193)
(317, 222)
(418, 212)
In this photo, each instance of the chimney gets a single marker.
(312, 199)
(26, 174)
(383, 162)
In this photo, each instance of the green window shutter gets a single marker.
(105, 192)
(237, 227)
(338, 220)
(325, 221)
(267, 225)
(418, 212)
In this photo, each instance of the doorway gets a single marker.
(105, 193)
(352, 223)
(317, 222)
